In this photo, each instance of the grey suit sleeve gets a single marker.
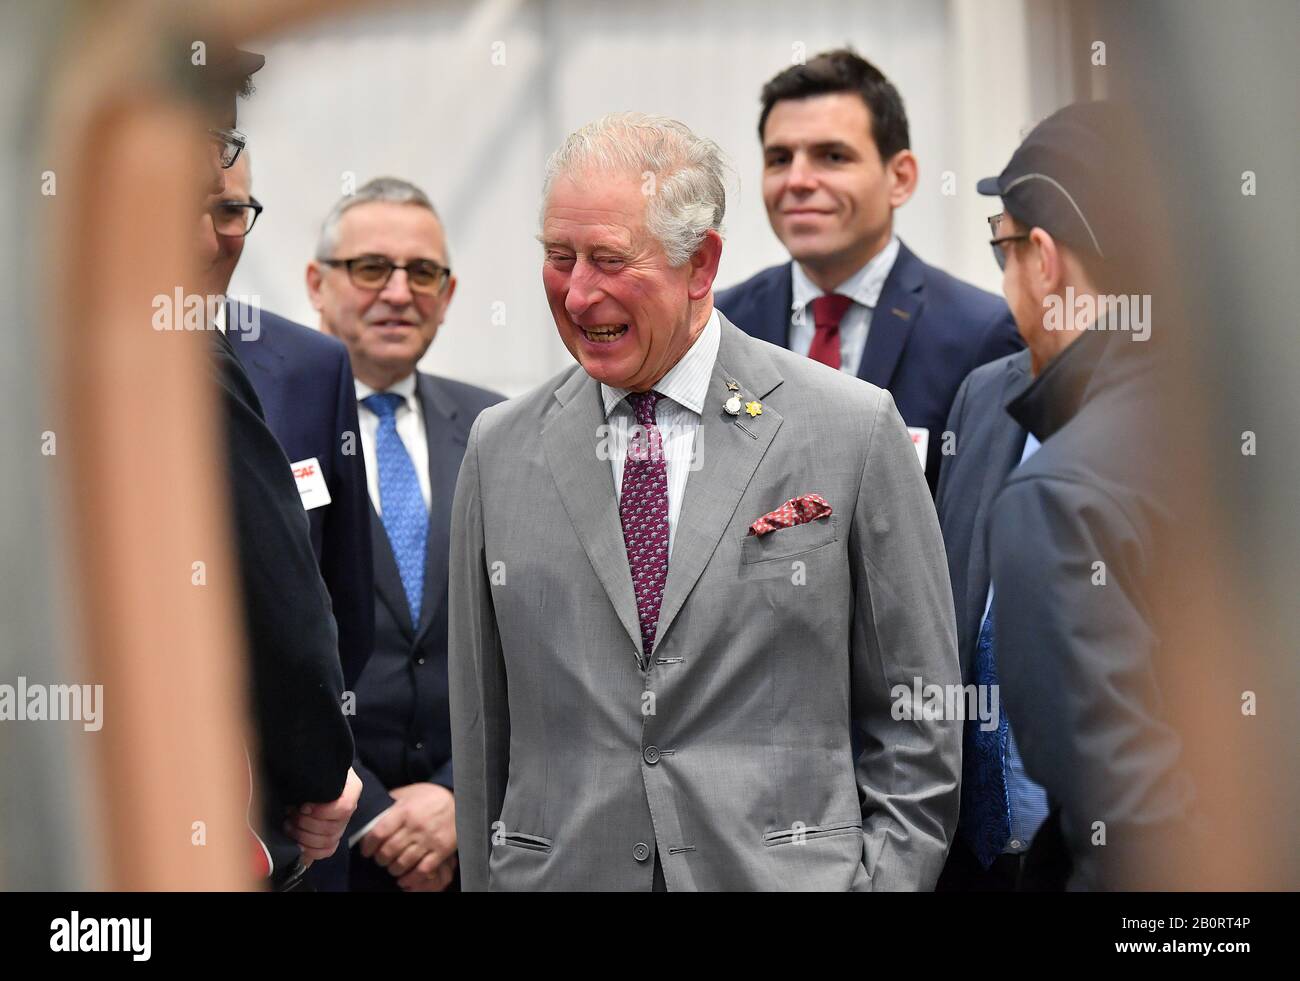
(480, 712)
(908, 769)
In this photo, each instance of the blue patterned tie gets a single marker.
(985, 821)
(402, 505)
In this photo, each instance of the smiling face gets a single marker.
(625, 314)
(829, 196)
(386, 330)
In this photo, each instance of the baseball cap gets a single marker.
(1070, 177)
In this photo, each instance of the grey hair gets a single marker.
(392, 190)
(682, 175)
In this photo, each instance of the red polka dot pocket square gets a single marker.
(796, 511)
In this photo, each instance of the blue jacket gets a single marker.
(304, 381)
(928, 332)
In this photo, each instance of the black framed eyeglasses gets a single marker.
(231, 142)
(372, 272)
(236, 218)
(999, 253)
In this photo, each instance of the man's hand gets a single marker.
(317, 828)
(415, 839)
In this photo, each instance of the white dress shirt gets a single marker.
(863, 288)
(677, 416)
(410, 430)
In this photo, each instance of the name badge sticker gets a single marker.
(921, 441)
(311, 483)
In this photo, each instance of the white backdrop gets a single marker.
(467, 99)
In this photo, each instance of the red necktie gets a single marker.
(828, 311)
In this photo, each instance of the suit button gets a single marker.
(651, 755)
(419, 745)
(419, 660)
(640, 851)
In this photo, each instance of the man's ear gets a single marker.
(704, 265)
(314, 277)
(1046, 265)
(903, 173)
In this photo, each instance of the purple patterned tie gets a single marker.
(643, 509)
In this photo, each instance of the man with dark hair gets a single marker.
(836, 163)
(304, 745)
(303, 380)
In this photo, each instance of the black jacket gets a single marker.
(304, 381)
(1075, 542)
(303, 741)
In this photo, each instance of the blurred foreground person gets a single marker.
(683, 569)
(382, 283)
(304, 745)
(1076, 533)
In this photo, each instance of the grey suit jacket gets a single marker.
(730, 752)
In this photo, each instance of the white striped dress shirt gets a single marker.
(677, 415)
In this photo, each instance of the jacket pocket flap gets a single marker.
(791, 835)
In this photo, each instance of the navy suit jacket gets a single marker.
(403, 721)
(928, 332)
(989, 444)
(297, 684)
(304, 381)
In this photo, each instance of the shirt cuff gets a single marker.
(352, 841)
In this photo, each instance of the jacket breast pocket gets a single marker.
(788, 543)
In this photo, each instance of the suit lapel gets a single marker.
(259, 355)
(1005, 448)
(893, 320)
(388, 581)
(446, 439)
(771, 317)
(585, 483)
(731, 448)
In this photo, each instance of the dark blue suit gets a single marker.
(403, 721)
(928, 332)
(989, 444)
(303, 379)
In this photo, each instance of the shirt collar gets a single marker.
(220, 319)
(405, 388)
(686, 382)
(862, 287)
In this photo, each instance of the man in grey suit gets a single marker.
(682, 571)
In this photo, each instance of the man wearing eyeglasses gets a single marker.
(304, 381)
(382, 283)
(1053, 525)
(307, 788)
